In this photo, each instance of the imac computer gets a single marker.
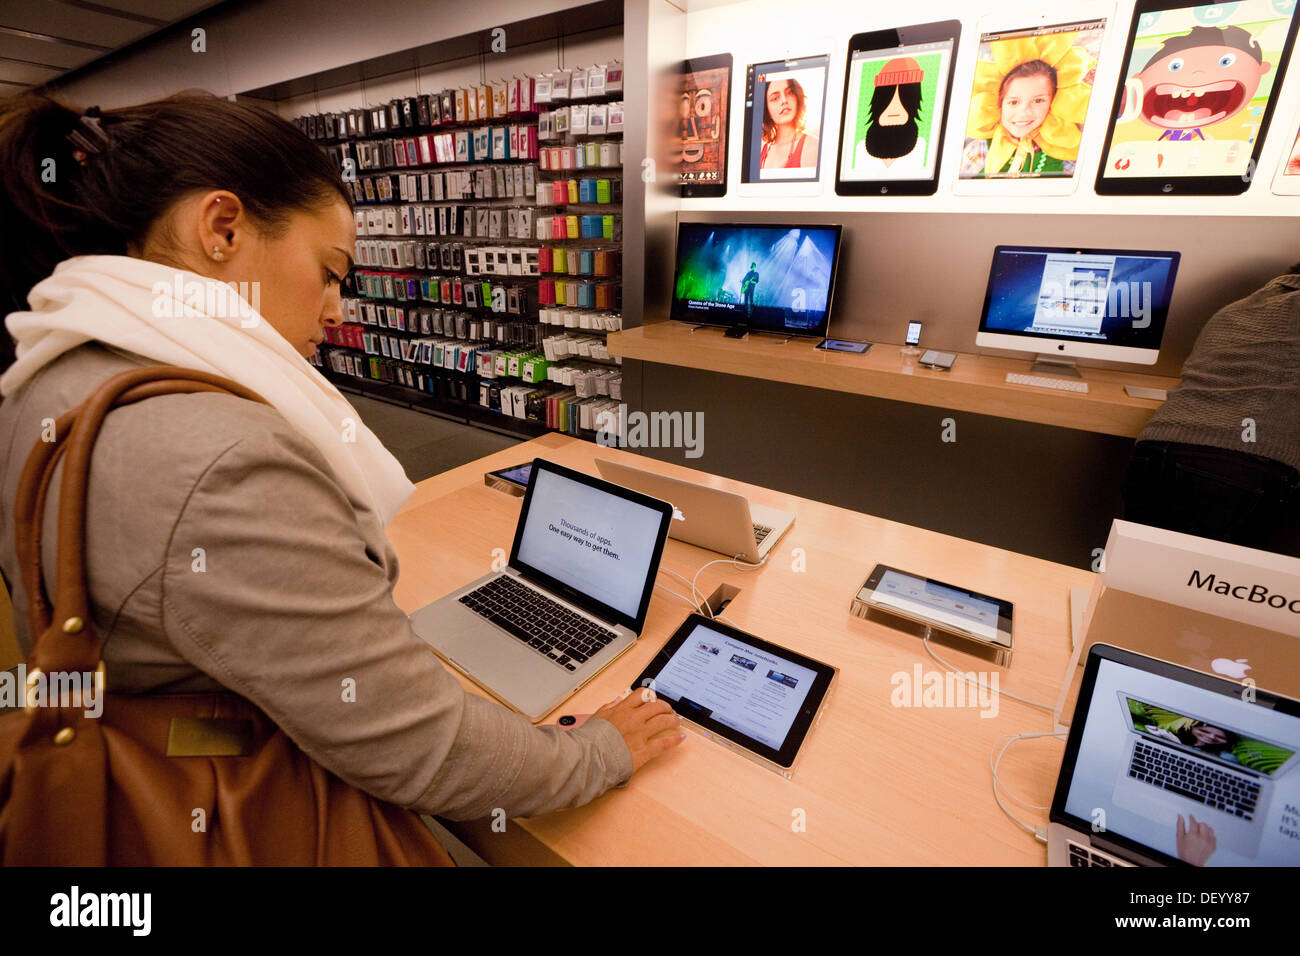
(751, 277)
(1067, 303)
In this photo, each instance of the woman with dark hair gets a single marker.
(233, 545)
(786, 142)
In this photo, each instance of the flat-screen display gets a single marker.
(893, 112)
(517, 475)
(896, 91)
(740, 688)
(1095, 296)
(767, 278)
(921, 597)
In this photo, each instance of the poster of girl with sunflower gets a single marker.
(1029, 101)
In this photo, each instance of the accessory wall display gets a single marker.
(472, 224)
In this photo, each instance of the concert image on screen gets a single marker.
(769, 278)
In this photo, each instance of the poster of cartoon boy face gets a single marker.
(1198, 91)
(1030, 100)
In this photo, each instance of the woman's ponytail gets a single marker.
(39, 205)
(88, 183)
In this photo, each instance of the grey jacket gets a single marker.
(222, 553)
(1245, 365)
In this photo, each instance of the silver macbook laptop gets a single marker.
(1167, 765)
(708, 517)
(571, 600)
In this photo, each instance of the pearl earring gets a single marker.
(217, 254)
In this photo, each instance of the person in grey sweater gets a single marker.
(1221, 458)
(232, 545)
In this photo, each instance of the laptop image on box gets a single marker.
(1213, 766)
(710, 518)
(572, 598)
(1167, 765)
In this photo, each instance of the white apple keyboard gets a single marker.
(1047, 381)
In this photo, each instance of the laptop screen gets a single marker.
(587, 538)
(1188, 767)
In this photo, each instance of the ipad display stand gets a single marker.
(999, 655)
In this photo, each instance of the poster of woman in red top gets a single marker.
(784, 104)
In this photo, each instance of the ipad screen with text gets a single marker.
(717, 676)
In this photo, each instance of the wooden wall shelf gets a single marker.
(976, 383)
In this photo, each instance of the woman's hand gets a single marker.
(648, 725)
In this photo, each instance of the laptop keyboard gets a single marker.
(1083, 856)
(760, 532)
(1161, 767)
(546, 626)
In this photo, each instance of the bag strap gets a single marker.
(62, 634)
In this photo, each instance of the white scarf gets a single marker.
(167, 315)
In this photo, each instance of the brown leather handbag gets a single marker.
(194, 779)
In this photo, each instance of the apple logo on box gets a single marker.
(1230, 668)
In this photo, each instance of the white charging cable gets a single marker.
(734, 562)
(1050, 708)
(1039, 833)
(681, 596)
(696, 600)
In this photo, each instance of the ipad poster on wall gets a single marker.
(1029, 103)
(701, 133)
(1199, 84)
(785, 103)
(897, 86)
(1287, 180)
(911, 87)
